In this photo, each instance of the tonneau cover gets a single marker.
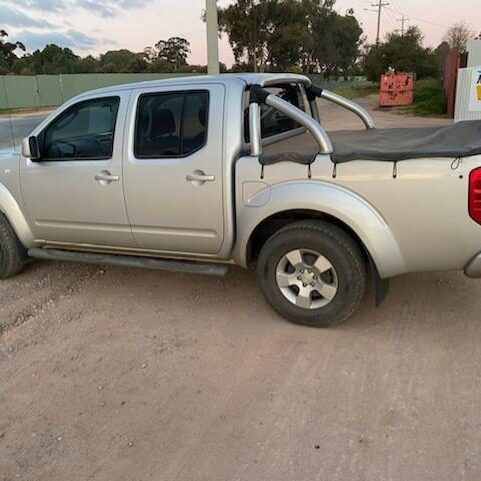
(458, 140)
(462, 139)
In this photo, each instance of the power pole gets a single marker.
(403, 22)
(212, 37)
(379, 6)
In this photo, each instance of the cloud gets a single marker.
(11, 17)
(103, 8)
(71, 39)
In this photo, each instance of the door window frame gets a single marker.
(184, 93)
(41, 135)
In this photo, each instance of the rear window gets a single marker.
(274, 122)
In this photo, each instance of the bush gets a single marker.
(430, 98)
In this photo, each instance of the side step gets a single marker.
(130, 261)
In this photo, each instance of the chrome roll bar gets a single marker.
(355, 108)
(303, 119)
(255, 129)
(259, 95)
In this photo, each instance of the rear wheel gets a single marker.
(12, 253)
(312, 273)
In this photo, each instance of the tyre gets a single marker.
(12, 253)
(312, 273)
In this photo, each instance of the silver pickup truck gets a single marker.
(197, 174)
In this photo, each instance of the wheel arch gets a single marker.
(323, 201)
(11, 210)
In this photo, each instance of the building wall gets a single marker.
(474, 49)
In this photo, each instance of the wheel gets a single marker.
(12, 253)
(312, 273)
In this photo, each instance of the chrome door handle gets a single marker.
(106, 177)
(200, 176)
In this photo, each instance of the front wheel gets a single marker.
(312, 273)
(12, 253)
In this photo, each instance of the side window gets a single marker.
(171, 124)
(274, 122)
(85, 131)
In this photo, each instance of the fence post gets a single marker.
(60, 83)
(38, 99)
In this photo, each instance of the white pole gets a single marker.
(212, 37)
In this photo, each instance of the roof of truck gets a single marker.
(263, 79)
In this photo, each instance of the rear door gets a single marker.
(173, 173)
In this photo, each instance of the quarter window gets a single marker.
(85, 131)
(274, 122)
(171, 124)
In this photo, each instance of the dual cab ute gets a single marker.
(196, 174)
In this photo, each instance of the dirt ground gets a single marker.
(120, 374)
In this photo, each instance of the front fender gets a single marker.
(329, 199)
(12, 211)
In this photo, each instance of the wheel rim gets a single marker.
(306, 279)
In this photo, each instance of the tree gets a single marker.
(171, 54)
(441, 52)
(403, 53)
(296, 35)
(7, 52)
(121, 61)
(337, 41)
(51, 60)
(458, 35)
(245, 23)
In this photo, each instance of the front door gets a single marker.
(74, 194)
(174, 171)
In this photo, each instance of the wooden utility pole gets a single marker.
(212, 37)
(379, 6)
(403, 23)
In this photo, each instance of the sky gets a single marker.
(95, 26)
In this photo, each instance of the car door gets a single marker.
(74, 194)
(174, 170)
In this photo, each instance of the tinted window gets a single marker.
(274, 122)
(85, 131)
(171, 124)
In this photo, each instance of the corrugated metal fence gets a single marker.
(37, 91)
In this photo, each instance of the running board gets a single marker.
(130, 261)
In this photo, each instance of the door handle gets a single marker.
(198, 176)
(105, 177)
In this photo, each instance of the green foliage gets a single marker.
(121, 61)
(166, 56)
(170, 55)
(403, 53)
(291, 35)
(430, 98)
(7, 52)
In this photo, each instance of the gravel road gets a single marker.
(121, 374)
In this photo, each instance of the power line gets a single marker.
(403, 22)
(400, 12)
(380, 5)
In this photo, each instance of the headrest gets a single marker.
(163, 122)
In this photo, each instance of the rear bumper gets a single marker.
(473, 268)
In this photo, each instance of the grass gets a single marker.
(25, 110)
(430, 98)
(357, 91)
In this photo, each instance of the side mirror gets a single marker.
(30, 148)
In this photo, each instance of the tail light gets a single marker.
(475, 195)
